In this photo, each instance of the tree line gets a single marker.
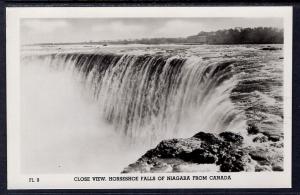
(258, 35)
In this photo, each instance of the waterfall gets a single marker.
(148, 98)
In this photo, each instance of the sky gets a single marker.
(97, 29)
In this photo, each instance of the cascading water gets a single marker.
(151, 98)
(88, 109)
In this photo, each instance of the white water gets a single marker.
(103, 122)
(62, 130)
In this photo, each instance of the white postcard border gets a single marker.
(16, 180)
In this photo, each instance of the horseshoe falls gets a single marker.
(100, 108)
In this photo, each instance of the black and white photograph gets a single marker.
(149, 98)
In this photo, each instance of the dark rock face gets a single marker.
(208, 137)
(260, 139)
(225, 152)
(252, 129)
(234, 161)
(231, 137)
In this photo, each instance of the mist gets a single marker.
(62, 130)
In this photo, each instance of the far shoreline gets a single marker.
(100, 44)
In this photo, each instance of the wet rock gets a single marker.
(260, 139)
(277, 144)
(224, 152)
(232, 137)
(232, 161)
(208, 137)
(277, 168)
(271, 137)
(202, 157)
(228, 166)
(252, 129)
(260, 156)
(275, 138)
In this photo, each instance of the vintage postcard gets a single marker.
(149, 97)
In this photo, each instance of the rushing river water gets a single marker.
(95, 108)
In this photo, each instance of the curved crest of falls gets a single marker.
(84, 108)
(150, 98)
